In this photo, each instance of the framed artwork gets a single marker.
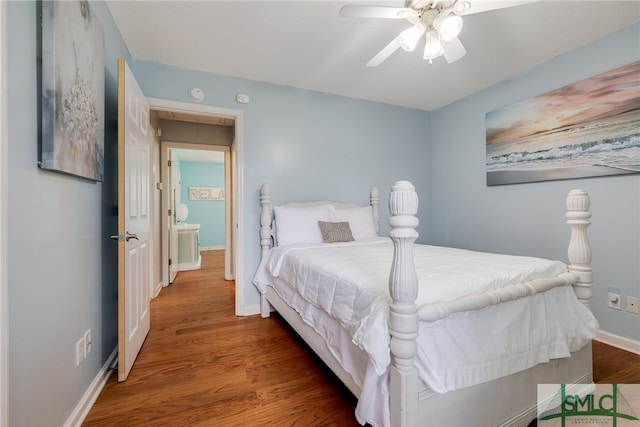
(72, 90)
(206, 193)
(585, 129)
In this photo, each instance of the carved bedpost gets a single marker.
(403, 315)
(579, 252)
(374, 201)
(265, 237)
(265, 218)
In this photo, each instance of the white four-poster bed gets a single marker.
(414, 385)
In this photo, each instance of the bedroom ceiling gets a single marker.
(306, 44)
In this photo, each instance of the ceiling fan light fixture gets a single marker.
(461, 6)
(448, 26)
(409, 37)
(433, 46)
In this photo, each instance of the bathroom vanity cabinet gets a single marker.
(189, 247)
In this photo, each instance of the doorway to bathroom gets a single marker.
(198, 204)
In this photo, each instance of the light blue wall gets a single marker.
(307, 145)
(529, 218)
(62, 266)
(208, 213)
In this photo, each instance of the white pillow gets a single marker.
(360, 220)
(300, 225)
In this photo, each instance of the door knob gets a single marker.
(126, 236)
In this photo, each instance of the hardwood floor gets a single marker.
(612, 365)
(203, 366)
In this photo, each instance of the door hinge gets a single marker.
(169, 212)
(169, 163)
(169, 261)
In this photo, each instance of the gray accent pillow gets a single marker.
(333, 232)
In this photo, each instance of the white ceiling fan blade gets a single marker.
(478, 6)
(386, 52)
(453, 50)
(360, 11)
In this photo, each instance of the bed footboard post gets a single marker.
(265, 218)
(403, 315)
(578, 218)
(374, 201)
(265, 237)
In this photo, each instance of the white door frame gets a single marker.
(165, 146)
(237, 172)
(4, 282)
(167, 231)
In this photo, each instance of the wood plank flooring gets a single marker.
(612, 365)
(203, 366)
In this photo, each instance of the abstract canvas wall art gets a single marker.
(72, 90)
(585, 129)
(206, 193)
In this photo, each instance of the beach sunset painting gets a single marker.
(585, 129)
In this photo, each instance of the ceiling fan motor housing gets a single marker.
(417, 4)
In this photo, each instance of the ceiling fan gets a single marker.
(440, 21)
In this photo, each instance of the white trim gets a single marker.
(154, 214)
(156, 290)
(211, 248)
(91, 395)
(229, 213)
(251, 310)
(238, 270)
(4, 221)
(619, 342)
(170, 105)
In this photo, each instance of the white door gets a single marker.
(134, 266)
(174, 201)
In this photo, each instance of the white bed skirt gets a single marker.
(507, 401)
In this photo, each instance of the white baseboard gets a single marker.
(211, 248)
(248, 311)
(84, 406)
(619, 342)
(156, 290)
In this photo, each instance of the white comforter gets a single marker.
(349, 282)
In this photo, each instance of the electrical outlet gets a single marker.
(80, 351)
(614, 301)
(633, 305)
(87, 342)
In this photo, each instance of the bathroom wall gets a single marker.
(210, 214)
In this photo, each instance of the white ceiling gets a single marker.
(306, 44)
